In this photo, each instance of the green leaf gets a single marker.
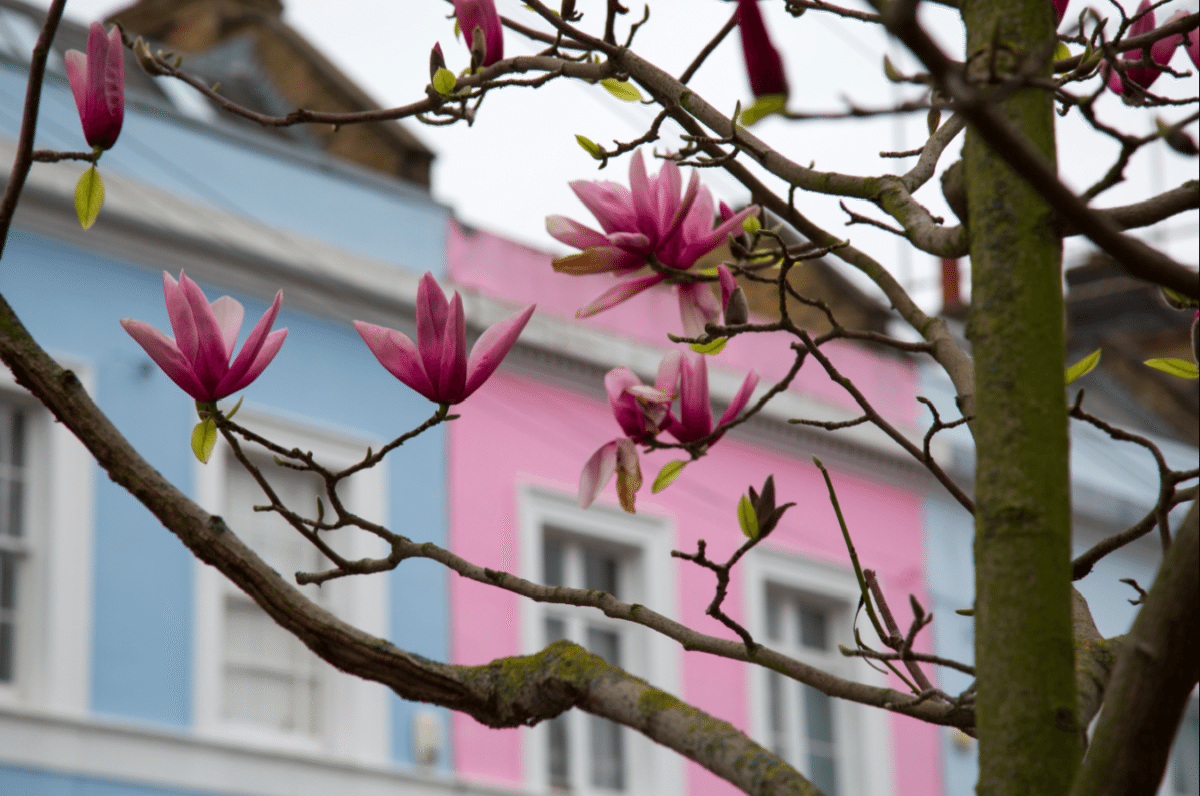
(747, 517)
(668, 474)
(235, 408)
(713, 348)
(457, 29)
(622, 89)
(1083, 366)
(1178, 300)
(763, 107)
(751, 224)
(590, 147)
(1176, 367)
(891, 72)
(1061, 52)
(444, 81)
(89, 197)
(204, 439)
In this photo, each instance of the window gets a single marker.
(46, 489)
(270, 679)
(628, 556)
(575, 563)
(802, 719)
(13, 478)
(804, 609)
(254, 680)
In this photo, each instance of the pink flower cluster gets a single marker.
(656, 217)
(644, 411)
(1158, 53)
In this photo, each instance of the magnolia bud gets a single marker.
(737, 311)
(436, 60)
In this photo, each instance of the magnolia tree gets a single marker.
(1043, 671)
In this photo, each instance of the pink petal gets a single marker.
(492, 346)
(694, 409)
(631, 242)
(180, 313)
(212, 361)
(398, 355)
(641, 190)
(684, 208)
(624, 404)
(481, 14)
(728, 284)
(1060, 8)
(1144, 23)
(668, 371)
(741, 399)
(76, 63)
(610, 203)
(572, 233)
(764, 67)
(114, 88)
(621, 292)
(701, 244)
(270, 348)
(666, 198)
(597, 471)
(167, 356)
(697, 307)
(596, 260)
(255, 341)
(432, 310)
(228, 312)
(452, 370)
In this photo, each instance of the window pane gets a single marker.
(6, 651)
(774, 618)
(559, 753)
(605, 643)
(608, 758)
(775, 706)
(8, 581)
(552, 563)
(17, 439)
(556, 629)
(818, 716)
(270, 679)
(600, 572)
(823, 773)
(812, 627)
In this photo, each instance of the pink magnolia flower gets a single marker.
(1160, 53)
(1060, 8)
(639, 408)
(618, 456)
(655, 217)
(98, 83)
(198, 358)
(763, 64)
(695, 413)
(438, 366)
(1192, 46)
(481, 28)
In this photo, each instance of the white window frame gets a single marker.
(355, 713)
(52, 667)
(862, 734)
(649, 578)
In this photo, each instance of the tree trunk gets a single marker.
(1026, 717)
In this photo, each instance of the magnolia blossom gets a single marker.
(481, 28)
(695, 419)
(643, 411)
(656, 217)
(438, 366)
(205, 334)
(763, 64)
(1160, 53)
(98, 83)
(1060, 8)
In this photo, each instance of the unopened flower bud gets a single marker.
(737, 310)
(436, 60)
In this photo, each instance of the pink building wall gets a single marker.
(516, 429)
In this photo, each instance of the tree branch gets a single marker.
(1157, 668)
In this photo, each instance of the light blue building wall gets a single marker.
(71, 297)
(1114, 484)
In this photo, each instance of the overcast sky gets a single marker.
(510, 170)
